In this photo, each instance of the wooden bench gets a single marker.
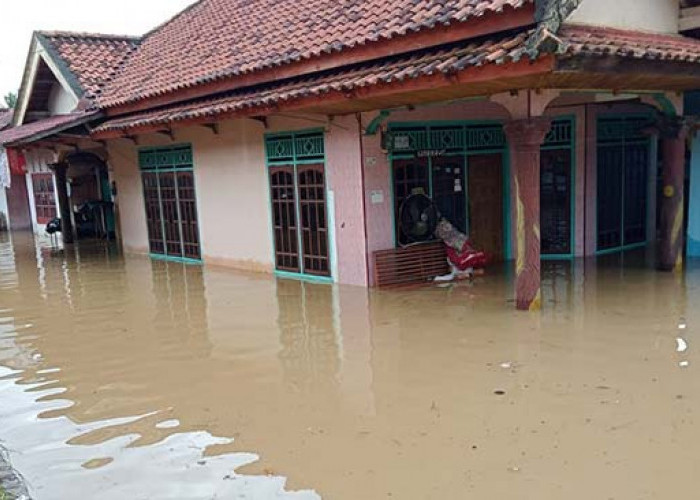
(412, 264)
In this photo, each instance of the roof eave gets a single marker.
(53, 131)
(471, 81)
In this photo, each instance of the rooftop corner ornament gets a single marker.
(549, 14)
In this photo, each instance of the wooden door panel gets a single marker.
(485, 179)
(284, 218)
(555, 201)
(154, 216)
(170, 211)
(313, 223)
(188, 215)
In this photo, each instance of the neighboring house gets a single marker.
(64, 74)
(5, 120)
(283, 137)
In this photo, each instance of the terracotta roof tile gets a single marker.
(591, 40)
(214, 39)
(45, 127)
(92, 58)
(445, 60)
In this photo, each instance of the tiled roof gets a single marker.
(598, 41)
(215, 39)
(44, 128)
(92, 58)
(5, 117)
(445, 60)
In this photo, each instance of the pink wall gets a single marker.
(344, 175)
(377, 168)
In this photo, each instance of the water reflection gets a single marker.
(132, 378)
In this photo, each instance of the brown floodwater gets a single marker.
(123, 377)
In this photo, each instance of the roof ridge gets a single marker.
(86, 34)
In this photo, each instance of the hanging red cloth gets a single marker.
(17, 161)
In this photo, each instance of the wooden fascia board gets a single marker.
(28, 77)
(617, 66)
(492, 22)
(474, 75)
(54, 132)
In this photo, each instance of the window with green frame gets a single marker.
(296, 170)
(167, 174)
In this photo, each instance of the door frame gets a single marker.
(505, 202)
(499, 146)
(289, 157)
(650, 174)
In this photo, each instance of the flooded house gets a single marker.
(5, 119)
(276, 138)
(52, 163)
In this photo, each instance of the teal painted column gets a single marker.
(694, 199)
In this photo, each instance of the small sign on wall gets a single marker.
(376, 196)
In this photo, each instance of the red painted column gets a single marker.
(673, 132)
(525, 138)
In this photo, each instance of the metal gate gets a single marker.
(296, 167)
(623, 176)
(170, 202)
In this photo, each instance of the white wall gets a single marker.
(60, 101)
(647, 15)
(232, 193)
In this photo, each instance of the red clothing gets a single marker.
(467, 258)
(16, 160)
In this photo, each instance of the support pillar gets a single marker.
(60, 170)
(673, 132)
(525, 138)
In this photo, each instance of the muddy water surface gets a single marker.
(130, 378)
